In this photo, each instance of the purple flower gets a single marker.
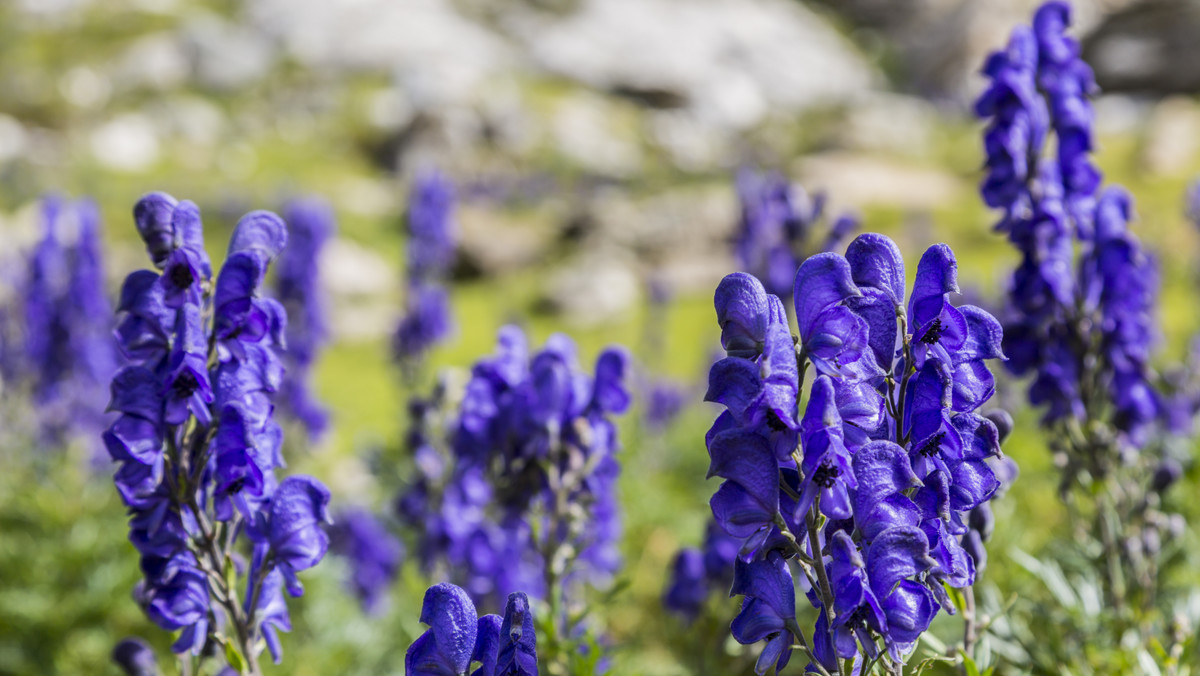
(445, 649)
(518, 641)
(831, 334)
(179, 475)
(297, 541)
(768, 611)
(374, 554)
(298, 289)
(687, 590)
(777, 228)
(135, 657)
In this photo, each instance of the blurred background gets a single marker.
(593, 145)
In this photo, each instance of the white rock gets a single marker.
(584, 131)
(128, 142)
(156, 61)
(439, 56)
(733, 59)
(227, 55)
(595, 287)
(861, 180)
(13, 139)
(1172, 136)
(350, 269)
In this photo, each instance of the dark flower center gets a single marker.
(185, 384)
(934, 333)
(826, 475)
(933, 445)
(774, 422)
(858, 617)
(181, 276)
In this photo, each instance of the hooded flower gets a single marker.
(768, 610)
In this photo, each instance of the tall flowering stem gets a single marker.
(197, 444)
(779, 226)
(867, 491)
(62, 352)
(431, 241)
(298, 287)
(521, 493)
(1080, 322)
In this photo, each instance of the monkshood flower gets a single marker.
(373, 553)
(195, 439)
(778, 228)
(1082, 303)
(135, 657)
(431, 243)
(697, 573)
(457, 637)
(524, 497)
(868, 490)
(298, 287)
(67, 353)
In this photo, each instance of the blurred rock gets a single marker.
(586, 130)
(729, 61)
(863, 180)
(492, 241)
(13, 141)
(1172, 136)
(227, 55)
(156, 61)
(889, 123)
(1150, 47)
(349, 269)
(128, 142)
(594, 287)
(675, 221)
(438, 56)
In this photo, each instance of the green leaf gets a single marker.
(957, 596)
(234, 658)
(969, 664)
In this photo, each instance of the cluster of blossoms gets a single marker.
(373, 553)
(698, 572)
(196, 440)
(777, 228)
(869, 489)
(56, 339)
(457, 637)
(524, 497)
(298, 288)
(431, 233)
(1081, 320)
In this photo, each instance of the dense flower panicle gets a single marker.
(431, 243)
(373, 553)
(457, 637)
(195, 439)
(777, 228)
(298, 288)
(62, 351)
(532, 436)
(665, 400)
(889, 452)
(697, 573)
(1082, 299)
